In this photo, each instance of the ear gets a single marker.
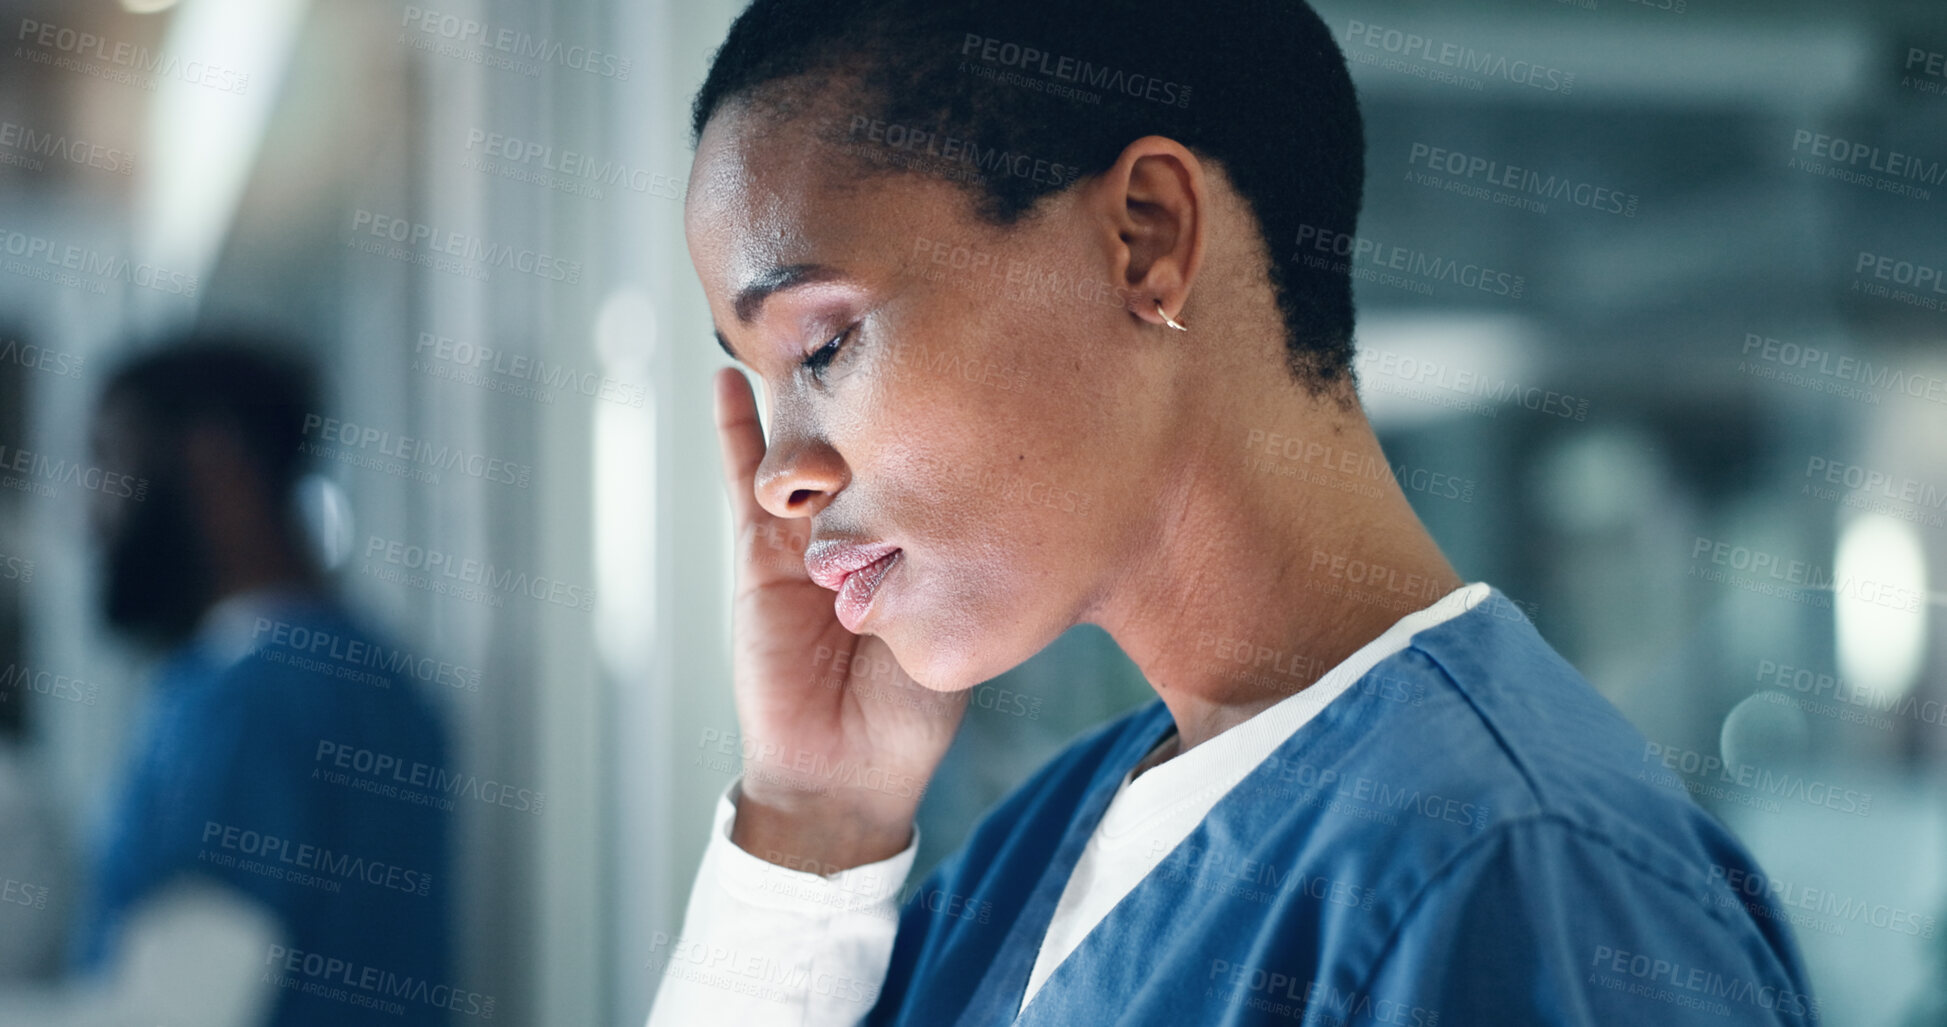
(1150, 207)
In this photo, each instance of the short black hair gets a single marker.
(1259, 86)
(252, 385)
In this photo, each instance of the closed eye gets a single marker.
(821, 358)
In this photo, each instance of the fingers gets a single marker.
(776, 547)
(742, 440)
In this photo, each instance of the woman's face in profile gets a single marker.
(991, 407)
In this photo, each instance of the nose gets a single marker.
(800, 474)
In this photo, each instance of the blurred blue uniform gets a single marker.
(260, 766)
(1478, 842)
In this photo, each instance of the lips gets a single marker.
(854, 570)
(828, 561)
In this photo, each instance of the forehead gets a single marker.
(766, 192)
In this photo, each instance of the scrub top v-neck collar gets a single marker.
(1218, 764)
(998, 999)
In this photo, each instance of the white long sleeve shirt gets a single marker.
(764, 945)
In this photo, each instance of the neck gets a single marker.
(1283, 547)
(259, 555)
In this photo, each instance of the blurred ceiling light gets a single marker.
(1600, 479)
(1878, 573)
(625, 487)
(206, 124)
(1417, 369)
(147, 6)
(625, 332)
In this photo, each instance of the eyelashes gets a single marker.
(819, 359)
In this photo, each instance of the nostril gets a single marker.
(799, 496)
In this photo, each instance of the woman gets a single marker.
(1052, 311)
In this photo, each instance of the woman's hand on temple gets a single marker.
(838, 741)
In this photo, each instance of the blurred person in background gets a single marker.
(1033, 360)
(260, 865)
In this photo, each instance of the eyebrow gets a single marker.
(749, 301)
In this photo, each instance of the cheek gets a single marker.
(1000, 548)
(990, 529)
(984, 429)
(969, 448)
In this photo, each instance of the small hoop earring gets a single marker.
(1166, 318)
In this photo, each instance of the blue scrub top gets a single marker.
(263, 774)
(1475, 842)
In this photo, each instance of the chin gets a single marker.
(960, 660)
(931, 669)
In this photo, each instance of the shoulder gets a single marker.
(1485, 744)
(1544, 920)
(1522, 730)
(315, 669)
(1569, 831)
(1570, 868)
